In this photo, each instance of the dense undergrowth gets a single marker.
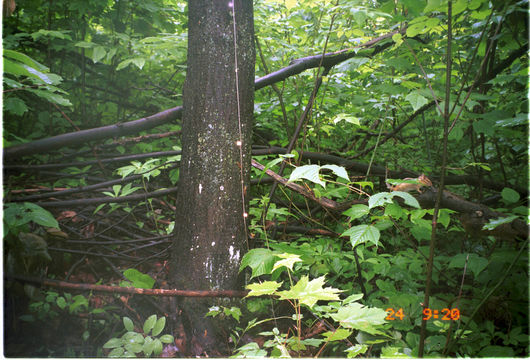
(336, 267)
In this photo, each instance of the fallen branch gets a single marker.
(126, 290)
(79, 138)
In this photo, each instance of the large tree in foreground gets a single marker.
(210, 233)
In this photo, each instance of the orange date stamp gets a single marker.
(428, 314)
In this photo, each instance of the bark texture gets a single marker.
(210, 235)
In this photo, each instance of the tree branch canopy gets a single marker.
(79, 138)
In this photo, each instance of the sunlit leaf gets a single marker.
(309, 292)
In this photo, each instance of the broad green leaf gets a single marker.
(355, 350)
(398, 39)
(265, 288)
(353, 297)
(432, 5)
(288, 261)
(509, 195)
(409, 199)
(51, 97)
(18, 69)
(260, 260)
(357, 316)
(475, 263)
(392, 352)
(159, 326)
(139, 280)
(129, 326)
(98, 53)
(309, 292)
(167, 339)
(158, 347)
(43, 217)
(234, 311)
(337, 335)
(149, 323)
(139, 62)
(117, 353)
(308, 172)
(497, 351)
(123, 64)
(357, 211)
(24, 59)
(148, 346)
(84, 44)
(380, 199)
(493, 223)
(416, 100)
(15, 106)
(348, 118)
(337, 170)
(61, 302)
(363, 233)
(134, 347)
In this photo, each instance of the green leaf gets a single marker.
(265, 288)
(380, 199)
(357, 211)
(24, 59)
(496, 351)
(113, 343)
(159, 326)
(392, 352)
(44, 218)
(98, 53)
(357, 316)
(337, 170)
(309, 292)
(61, 302)
(117, 353)
(149, 323)
(493, 223)
(509, 195)
(84, 44)
(363, 233)
(139, 62)
(15, 106)
(139, 280)
(288, 261)
(355, 350)
(51, 97)
(167, 339)
(148, 347)
(261, 261)
(416, 100)
(308, 172)
(348, 118)
(129, 325)
(337, 335)
(158, 347)
(409, 199)
(475, 263)
(123, 64)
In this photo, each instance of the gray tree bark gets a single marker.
(210, 234)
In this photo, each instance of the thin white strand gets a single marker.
(240, 142)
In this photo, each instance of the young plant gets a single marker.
(134, 342)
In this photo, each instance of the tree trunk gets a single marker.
(210, 233)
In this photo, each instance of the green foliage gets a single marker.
(137, 279)
(348, 313)
(90, 63)
(148, 342)
(18, 216)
